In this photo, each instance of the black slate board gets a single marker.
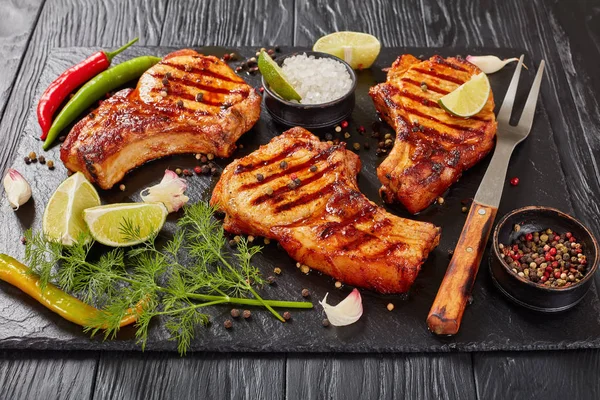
(490, 322)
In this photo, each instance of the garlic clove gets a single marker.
(18, 191)
(489, 64)
(169, 192)
(347, 312)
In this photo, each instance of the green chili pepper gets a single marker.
(53, 298)
(93, 91)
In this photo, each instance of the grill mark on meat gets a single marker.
(190, 97)
(436, 74)
(201, 71)
(276, 196)
(426, 102)
(278, 157)
(291, 169)
(436, 120)
(307, 198)
(429, 87)
(197, 84)
(391, 248)
(443, 61)
(361, 239)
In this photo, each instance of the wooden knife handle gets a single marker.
(449, 304)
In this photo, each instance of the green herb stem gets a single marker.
(191, 307)
(252, 302)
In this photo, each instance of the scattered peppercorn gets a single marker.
(122, 187)
(325, 322)
(178, 171)
(542, 258)
(199, 96)
(305, 293)
(50, 164)
(260, 177)
(514, 181)
(228, 324)
(356, 146)
(287, 316)
(344, 124)
(338, 128)
(277, 270)
(440, 200)
(210, 156)
(305, 269)
(32, 156)
(338, 284)
(23, 240)
(62, 138)
(390, 306)
(42, 159)
(267, 241)
(463, 209)
(27, 160)
(346, 135)
(247, 314)
(198, 169)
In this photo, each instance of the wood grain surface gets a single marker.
(565, 33)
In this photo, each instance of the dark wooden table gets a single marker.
(565, 33)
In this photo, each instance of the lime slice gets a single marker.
(356, 48)
(469, 98)
(125, 224)
(275, 77)
(63, 218)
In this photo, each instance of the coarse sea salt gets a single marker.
(317, 80)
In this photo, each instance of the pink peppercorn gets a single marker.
(514, 181)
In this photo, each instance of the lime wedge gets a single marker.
(275, 78)
(125, 224)
(356, 48)
(63, 218)
(469, 98)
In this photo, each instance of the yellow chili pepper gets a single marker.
(65, 305)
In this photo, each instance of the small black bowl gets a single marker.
(310, 115)
(529, 294)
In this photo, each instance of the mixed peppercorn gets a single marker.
(546, 258)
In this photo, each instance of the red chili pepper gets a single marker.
(70, 80)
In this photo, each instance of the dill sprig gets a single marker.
(176, 283)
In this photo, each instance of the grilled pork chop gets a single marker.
(432, 147)
(303, 193)
(187, 103)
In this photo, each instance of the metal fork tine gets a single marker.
(529, 110)
(509, 99)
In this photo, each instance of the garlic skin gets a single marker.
(169, 192)
(347, 312)
(17, 189)
(489, 64)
